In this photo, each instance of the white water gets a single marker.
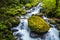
(23, 32)
(52, 34)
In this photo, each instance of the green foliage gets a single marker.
(6, 35)
(31, 3)
(58, 10)
(14, 7)
(52, 8)
(9, 10)
(2, 26)
(49, 5)
(57, 15)
(37, 24)
(12, 11)
(6, 23)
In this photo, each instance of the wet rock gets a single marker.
(58, 21)
(18, 39)
(21, 39)
(52, 21)
(59, 34)
(37, 24)
(37, 35)
(58, 27)
(33, 35)
(19, 35)
(14, 30)
(22, 25)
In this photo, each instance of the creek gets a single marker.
(24, 33)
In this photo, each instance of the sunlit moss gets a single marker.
(37, 24)
(28, 5)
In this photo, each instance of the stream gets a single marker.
(24, 33)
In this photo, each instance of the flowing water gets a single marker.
(24, 33)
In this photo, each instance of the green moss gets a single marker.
(28, 5)
(58, 27)
(6, 35)
(6, 23)
(2, 26)
(31, 3)
(37, 24)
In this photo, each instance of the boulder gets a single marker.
(37, 24)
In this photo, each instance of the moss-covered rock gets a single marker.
(58, 26)
(52, 21)
(37, 24)
(58, 21)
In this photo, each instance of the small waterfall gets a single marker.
(45, 18)
(23, 32)
(53, 33)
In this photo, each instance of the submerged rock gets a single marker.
(33, 35)
(37, 24)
